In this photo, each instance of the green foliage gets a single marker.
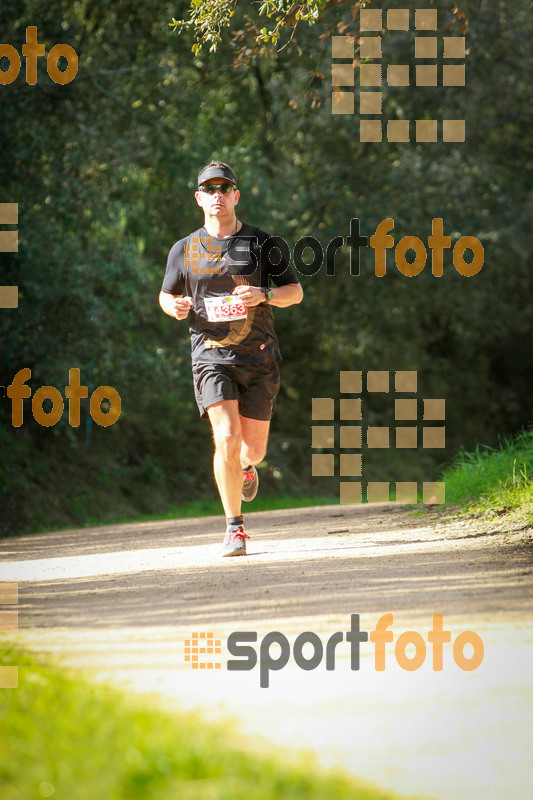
(210, 508)
(70, 738)
(104, 171)
(207, 19)
(494, 478)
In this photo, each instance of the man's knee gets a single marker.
(254, 454)
(228, 443)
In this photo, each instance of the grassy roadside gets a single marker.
(198, 508)
(68, 738)
(210, 508)
(59, 486)
(496, 481)
(477, 482)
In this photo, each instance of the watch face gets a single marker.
(269, 294)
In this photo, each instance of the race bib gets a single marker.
(225, 308)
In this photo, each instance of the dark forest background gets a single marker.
(104, 172)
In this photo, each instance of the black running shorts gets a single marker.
(255, 386)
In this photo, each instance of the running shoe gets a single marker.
(235, 542)
(250, 483)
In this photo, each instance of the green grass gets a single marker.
(209, 508)
(66, 738)
(494, 478)
(198, 508)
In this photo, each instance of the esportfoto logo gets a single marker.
(204, 256)
(240, 644)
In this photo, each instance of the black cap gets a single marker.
(217, 172)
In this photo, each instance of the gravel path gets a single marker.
(119, 602)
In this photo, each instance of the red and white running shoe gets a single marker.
(235, 542)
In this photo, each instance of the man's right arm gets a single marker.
(171, 297)
(175, 305)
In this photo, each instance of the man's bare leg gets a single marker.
(226, 424)
(254, 434)
(254, 442)
(239, 442)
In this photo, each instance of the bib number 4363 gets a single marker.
(225, 308)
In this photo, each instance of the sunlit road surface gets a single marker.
(120, 602)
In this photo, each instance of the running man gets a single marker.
(220, 278)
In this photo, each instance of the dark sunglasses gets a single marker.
(211, 188)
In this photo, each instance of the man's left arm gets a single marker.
(287, 295)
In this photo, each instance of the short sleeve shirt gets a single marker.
(208, 269)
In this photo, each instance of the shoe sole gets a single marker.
(248, 499)
(239, 551)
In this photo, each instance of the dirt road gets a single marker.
(120, 602)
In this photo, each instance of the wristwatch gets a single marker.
(269, 294)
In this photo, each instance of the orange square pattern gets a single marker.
(193, 649)
(370, 75)
(350, 437)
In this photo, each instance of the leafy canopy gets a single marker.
(207, 18)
